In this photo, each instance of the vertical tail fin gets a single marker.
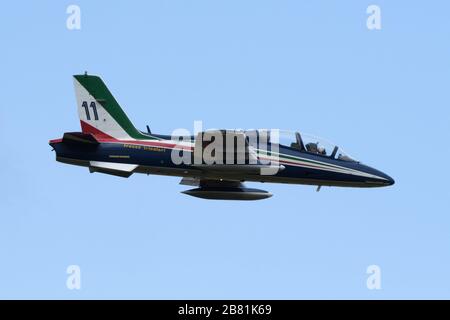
(99, 112)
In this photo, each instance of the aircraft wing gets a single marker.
(210, 183)
(239, 168)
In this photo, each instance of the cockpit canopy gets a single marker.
(304, 142)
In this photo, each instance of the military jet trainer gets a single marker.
(216, 162)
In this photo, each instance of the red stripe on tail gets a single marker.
(87, 128)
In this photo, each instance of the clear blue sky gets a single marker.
(311, 66)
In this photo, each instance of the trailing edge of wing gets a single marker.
(116, 169)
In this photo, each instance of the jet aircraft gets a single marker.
(216, 162)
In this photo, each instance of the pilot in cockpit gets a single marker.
(321, 150)
(315, 148)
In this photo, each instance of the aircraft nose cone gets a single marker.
(387, 180)
(390, 181)
(380, 178)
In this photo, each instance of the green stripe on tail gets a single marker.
(97, 88)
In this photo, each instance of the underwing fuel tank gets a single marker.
(224, 193)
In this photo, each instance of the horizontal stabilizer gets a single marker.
(116, 169)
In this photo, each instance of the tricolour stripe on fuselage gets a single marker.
(280, 157)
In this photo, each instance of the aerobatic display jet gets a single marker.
(216, 162)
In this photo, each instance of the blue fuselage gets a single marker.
(298, 167)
